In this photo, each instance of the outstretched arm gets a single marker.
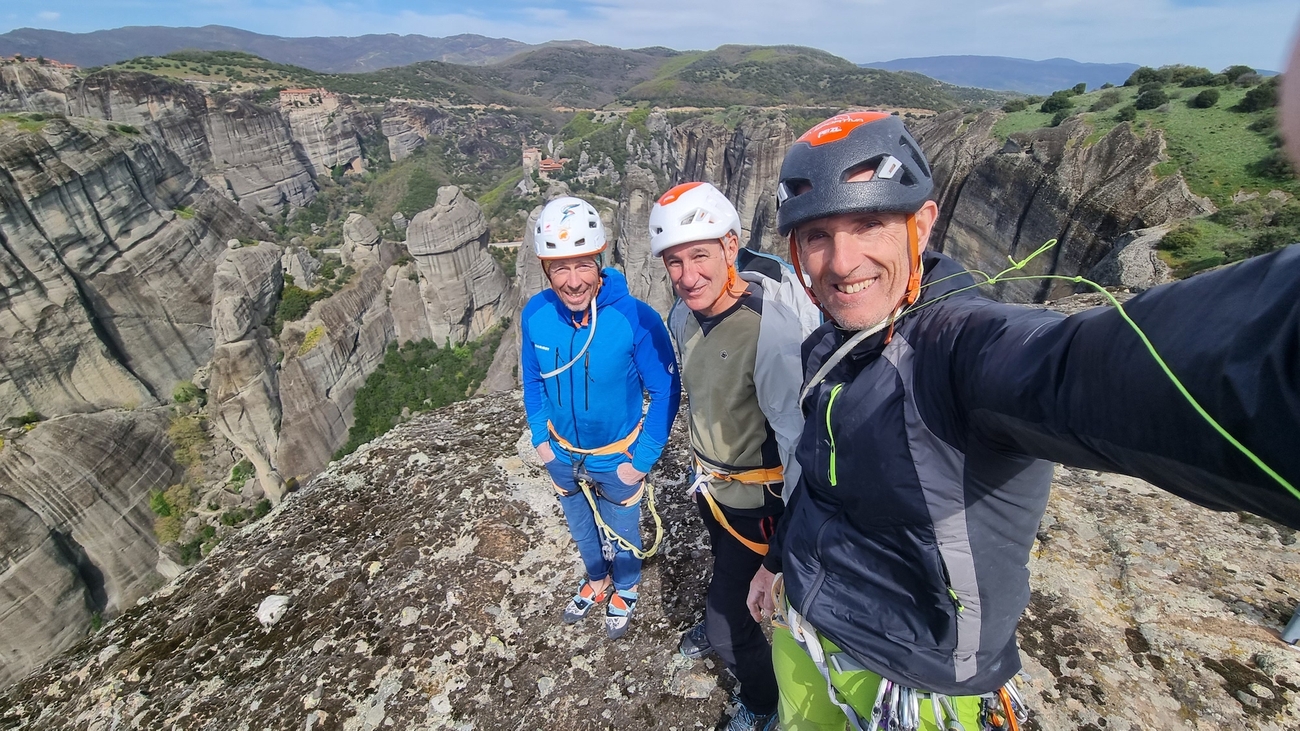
(1086, 391)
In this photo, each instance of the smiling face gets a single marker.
(698, 270)
(574, 280)
(859, 263)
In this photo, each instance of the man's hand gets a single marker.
(629, 474)
(759, 600)
(545, 453)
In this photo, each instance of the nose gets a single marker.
(845, 255)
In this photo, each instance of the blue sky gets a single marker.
(1213, 33)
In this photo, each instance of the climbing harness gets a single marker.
(896, 707)
(704, 477)
(609, 536)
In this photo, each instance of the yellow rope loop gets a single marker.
(612, 535)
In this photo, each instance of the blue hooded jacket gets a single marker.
(598, 401)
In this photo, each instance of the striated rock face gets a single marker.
(503, 374)
(243, 398)
(253, 148)
(28, 87)
(109, 247)
(75, 494)
(1007, 200)
(647, 279)
(744, 164)
(1133, 262)
(360, 237)
(298, 263)
(461, 286)
(426, 572)
(406, 124)
(327, 136)
(327, 356)
(245, 286)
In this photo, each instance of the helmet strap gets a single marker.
(914, 257)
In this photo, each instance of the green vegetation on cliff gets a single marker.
(418, 376)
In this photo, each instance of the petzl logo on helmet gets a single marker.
(838, 127)
(675, 192)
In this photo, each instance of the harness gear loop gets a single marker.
(704, 476)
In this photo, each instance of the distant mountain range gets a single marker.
(1011, 74)
(334, 54)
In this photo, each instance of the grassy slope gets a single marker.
(1212, 147)
(1216, 151)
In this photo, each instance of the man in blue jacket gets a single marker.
(932, 417)
(589, 351)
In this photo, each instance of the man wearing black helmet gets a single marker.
(932, 417)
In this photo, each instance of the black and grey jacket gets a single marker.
(925, 460)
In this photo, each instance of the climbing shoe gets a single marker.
(618, 612)
(746, 720)
(695, 642)
(583, 601)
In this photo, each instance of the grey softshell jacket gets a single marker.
(926, 460)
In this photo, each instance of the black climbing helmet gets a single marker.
(828, 154)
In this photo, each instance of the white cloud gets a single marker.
(48, 16)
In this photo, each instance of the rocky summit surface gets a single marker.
(425, 573)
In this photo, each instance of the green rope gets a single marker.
(1016, 266)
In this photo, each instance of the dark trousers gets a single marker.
(734, 635)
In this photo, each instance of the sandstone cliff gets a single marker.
(1000, 200)
(250, 149)
(78, 532)
(109, 247)
(461, 287)
(424, 575)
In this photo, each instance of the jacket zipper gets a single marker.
(573, 402)
(586, 383)
(830, 433)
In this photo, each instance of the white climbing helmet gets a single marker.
(691, 212)
(568, 227)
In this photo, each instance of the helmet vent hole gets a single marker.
(864, 171)
(793, 187)
(916, 155)
(550, 245)
(579, 242)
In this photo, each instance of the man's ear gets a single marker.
(730, 245)
(925, 220)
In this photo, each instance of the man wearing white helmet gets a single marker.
(737, 333)
(589, 350)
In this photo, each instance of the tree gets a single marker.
(1060, 116)
(1055, 103)
(1080, 88)
(1259, 98)
(1205, 99)
(1015, 105)
(1150, 86)
(1108, 99)
(1234, 72)
(1127, 114)
(1145, 75)
(1151, 99)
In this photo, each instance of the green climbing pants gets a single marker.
(805, 704)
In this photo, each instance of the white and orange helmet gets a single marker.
(568, 227)
(691, 212)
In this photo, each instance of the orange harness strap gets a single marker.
(763, 476)
(622, 446)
